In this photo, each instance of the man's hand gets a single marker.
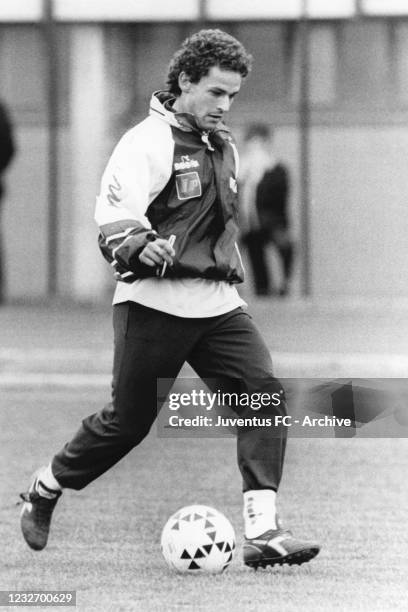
(157, 252)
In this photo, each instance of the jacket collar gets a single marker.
(160, 105)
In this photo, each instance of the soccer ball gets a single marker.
(198, 539)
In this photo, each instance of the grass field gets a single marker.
(349, 494)
(105, 541)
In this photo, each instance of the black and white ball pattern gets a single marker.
(198, 538)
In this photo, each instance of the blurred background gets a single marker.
(330, 77)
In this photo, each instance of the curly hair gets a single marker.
(202, 51)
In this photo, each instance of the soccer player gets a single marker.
(167, 214)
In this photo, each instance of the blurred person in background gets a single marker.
(7, 150)
(167, 214)
(264, 192)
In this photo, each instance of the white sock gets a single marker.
(47, 484)
(259, 512)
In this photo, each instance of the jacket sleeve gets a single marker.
(121, 206)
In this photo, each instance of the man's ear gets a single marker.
(184, 82)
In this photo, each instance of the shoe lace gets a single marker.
(281, 532)
(44, 506)
(25, 497)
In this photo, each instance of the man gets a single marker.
(264, 198)
(174, 174)
(7, 151)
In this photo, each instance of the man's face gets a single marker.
(209, 99)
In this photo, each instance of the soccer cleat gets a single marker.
(36, 514)
(276, 547)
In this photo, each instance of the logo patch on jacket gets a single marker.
(186, 163)
(188, 185)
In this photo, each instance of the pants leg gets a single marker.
(255, 243)
(148, 345)
(286, 253)
(232, 352)
(284, 245)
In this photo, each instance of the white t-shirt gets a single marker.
(188, 297)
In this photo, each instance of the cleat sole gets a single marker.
(296, 558)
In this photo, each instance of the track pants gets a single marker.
(257, 242)
(150, 344)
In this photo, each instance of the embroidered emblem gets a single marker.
(186, 163)
(188, 185)
(113, 189)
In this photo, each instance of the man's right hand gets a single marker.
(157, 252)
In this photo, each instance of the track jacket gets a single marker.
(167, 177)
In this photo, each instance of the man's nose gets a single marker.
(224, 103)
